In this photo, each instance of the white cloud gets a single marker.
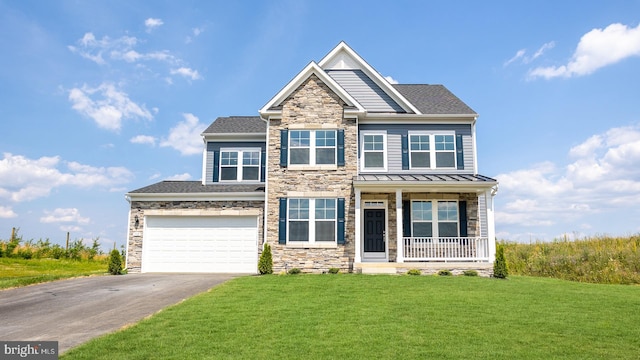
(391, 80)
(182, 177)
(60, 215)
(521, 54)
(186, 72)
(108, 107)
(596, 49)
(152, 23)
(143, 139)
(196, 32)
(24, 179)
(6, 212)
(185, 136)
(604, 174)
(93, 49)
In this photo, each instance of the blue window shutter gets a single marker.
(405, 152)
(341, 228)
(263, 165)
(282, 222)
(406, 218)
(462, 209)
(284, 146)
(216, 165)
(459, 153)
(341, 147)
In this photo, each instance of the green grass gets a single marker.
(21, 272)
(387, 317)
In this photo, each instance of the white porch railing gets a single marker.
(446, 248)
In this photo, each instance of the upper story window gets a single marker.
(312, 147)
(239, 164)
(432, 151)
(374, 155)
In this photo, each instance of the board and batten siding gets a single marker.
(365, 91)
(215, 146)
(394, 144)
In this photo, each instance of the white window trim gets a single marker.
(432, 149)
(312, 225)
(312, 151)
(384, 150)
(239, 166)
(434, 217)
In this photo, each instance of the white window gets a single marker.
(432, 151)
(434, 218)
(240, 164)
(374, 155)
(312, 220)
(312, 147)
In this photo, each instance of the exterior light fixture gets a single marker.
(136, 221)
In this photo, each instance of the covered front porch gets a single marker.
(428, 222)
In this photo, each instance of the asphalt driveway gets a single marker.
(76, 310)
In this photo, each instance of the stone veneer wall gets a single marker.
(134, 253)
(312, 105)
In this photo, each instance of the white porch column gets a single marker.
(399, 222)
(491, 226)
(358, 215)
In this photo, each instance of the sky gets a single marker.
(99, 98)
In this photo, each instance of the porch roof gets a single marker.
(425, 182)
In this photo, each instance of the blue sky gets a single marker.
(98, 98)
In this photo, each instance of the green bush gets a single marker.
(500, 265)
(265, 264)
(445, 272)
(470, 273)
(294, 271)
(115, 263)
(414, 272)
(334, 270)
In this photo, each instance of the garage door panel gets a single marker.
(200, 244)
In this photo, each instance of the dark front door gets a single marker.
(374, 224)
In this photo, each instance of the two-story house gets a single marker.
(341, 169)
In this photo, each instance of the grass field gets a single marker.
(20, 272)
(387, 317)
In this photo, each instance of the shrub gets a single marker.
(115, 263)
(265, 264)
(334, 270)
(445, 272)
(470, 273)
(294, 271)
(414, 272)
(500, 265)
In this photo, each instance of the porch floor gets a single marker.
(426, 268)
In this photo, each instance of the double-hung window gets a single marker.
(239, 164)
(432, 151)
(373, 151)
(430, 218)
(312, 220)
(312, 147)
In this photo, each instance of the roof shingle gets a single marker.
(196, 187)
(433, 99)
(237, 125)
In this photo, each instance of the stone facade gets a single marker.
(313, 105)
(139, 208)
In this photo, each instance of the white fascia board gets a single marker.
(311, 69)
(372, 73)
(230, 196)
(414, 119)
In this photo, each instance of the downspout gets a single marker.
(126, 257)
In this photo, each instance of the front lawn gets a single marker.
(386, 317)
(20, 272)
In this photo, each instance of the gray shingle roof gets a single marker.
(237, 125)
(195, 187)
(433, 99)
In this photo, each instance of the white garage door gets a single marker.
(226, 244)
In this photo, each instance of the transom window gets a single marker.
(312, 220)
(373, 152)
(429, 217)
(239, 164)
(432, 151)
(312, 147)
